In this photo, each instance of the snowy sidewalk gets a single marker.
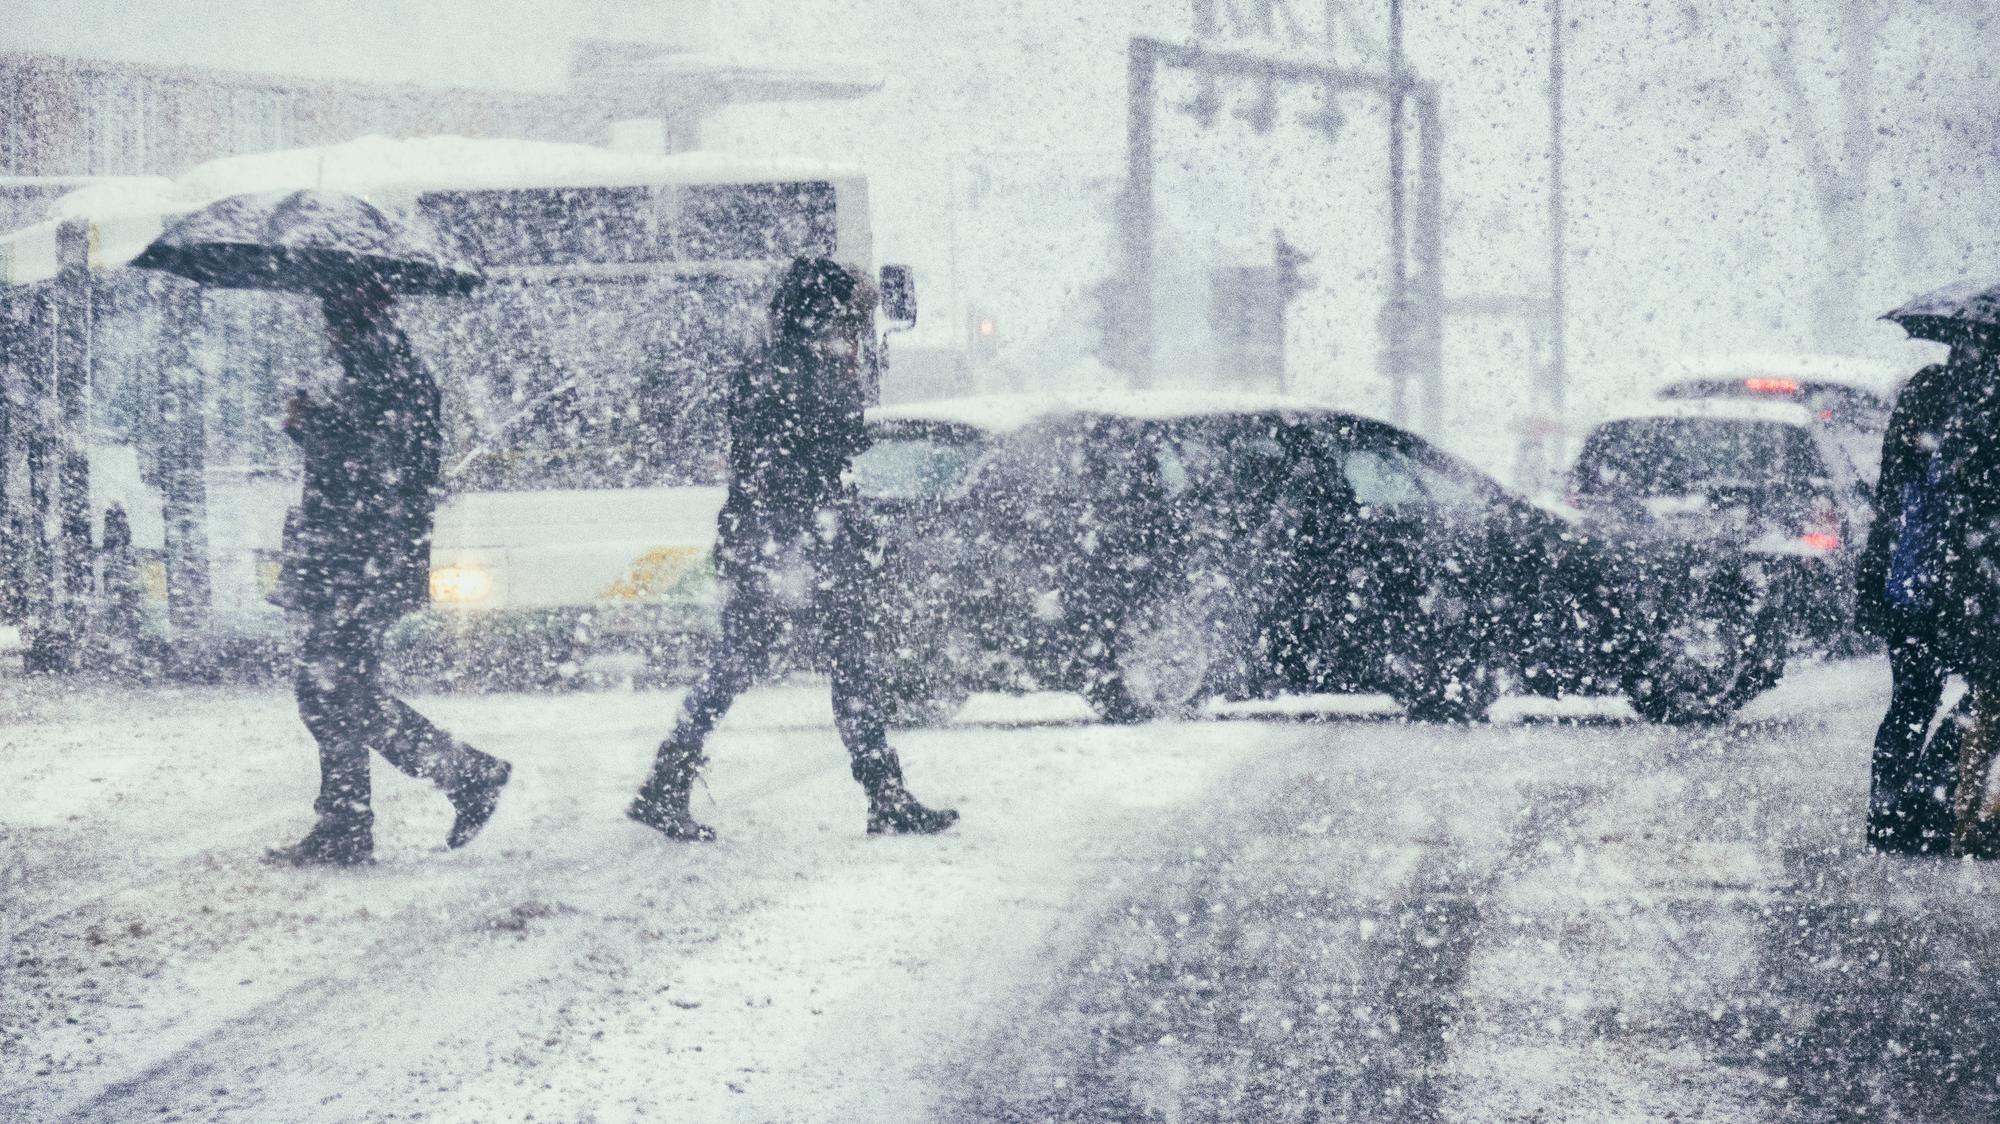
(567, 965)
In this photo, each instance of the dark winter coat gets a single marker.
(1916, 426)
(795, 424)
(1969, 618)
(359, 542)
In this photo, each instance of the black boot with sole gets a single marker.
(662, 803)
(893, 811)
(891, 808)
(336, 839)
(473, 797)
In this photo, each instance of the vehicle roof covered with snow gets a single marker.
(1872, 376)
(1004, 413)
(1721, 409)
(382, 164)
(128, 213)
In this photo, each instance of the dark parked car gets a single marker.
(1761, 477)
(1152, 552)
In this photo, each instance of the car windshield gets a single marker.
(1679, 456)
(913, 463)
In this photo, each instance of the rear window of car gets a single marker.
(917, 462)
(1682, 456)
(1831, 404)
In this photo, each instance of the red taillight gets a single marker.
(1771, 386)
(1822, 530)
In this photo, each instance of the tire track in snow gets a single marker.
(1281, 973)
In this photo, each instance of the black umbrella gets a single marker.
(1947, 313)
(308, 241)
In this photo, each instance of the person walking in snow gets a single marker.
(357, 558)
(1967, 463)
(790, 545)
(1909, 804)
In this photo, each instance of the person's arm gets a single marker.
(742, 424)
(1918, 413)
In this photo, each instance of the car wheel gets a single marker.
(1704, 659)
(1455, 691)
(1453, 678)
(1163, 663)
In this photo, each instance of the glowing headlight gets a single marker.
(460, 584)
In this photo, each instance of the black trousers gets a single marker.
(755, 618)
(1910, 789)
(343, 702)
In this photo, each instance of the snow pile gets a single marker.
(126, 195)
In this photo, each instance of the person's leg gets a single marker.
(471, 780)
(329, 705)
(1925, 814)
(859, 710)
(1970, 835)
(749, 625)
(333, 706)
(1900, 784)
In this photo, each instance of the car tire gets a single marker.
(1459, 694)
(1455, 678)
(1706, 658)
(1163, 662)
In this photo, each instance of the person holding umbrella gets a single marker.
(789, 531)
(357, 549)
(1933, 580)
(1909, 808)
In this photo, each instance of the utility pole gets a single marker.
(1396, 314)
(1136, 350)
(1555, 390)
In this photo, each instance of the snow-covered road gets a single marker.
(1252, 918)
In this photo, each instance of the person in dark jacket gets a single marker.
(357, 558)
(1909, 804)
(790, 544)
(1967, 553)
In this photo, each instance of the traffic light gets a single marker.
(985, 333)
(1287, 259)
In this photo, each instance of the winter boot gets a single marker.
(473, 797)
(662, 803)
(336, 839)
(893, 811)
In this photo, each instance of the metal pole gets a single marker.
(1396, 324)
(1426, 322)
(1138, 225)
(71, 559)
(1555, 392)
(183, 459)
(13, 356)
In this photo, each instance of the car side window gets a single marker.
(1811, 467)
(1451, 487)
(1172, 469)
(1382, 478)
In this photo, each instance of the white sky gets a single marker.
(998, 138)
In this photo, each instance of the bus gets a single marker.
(584, 386)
